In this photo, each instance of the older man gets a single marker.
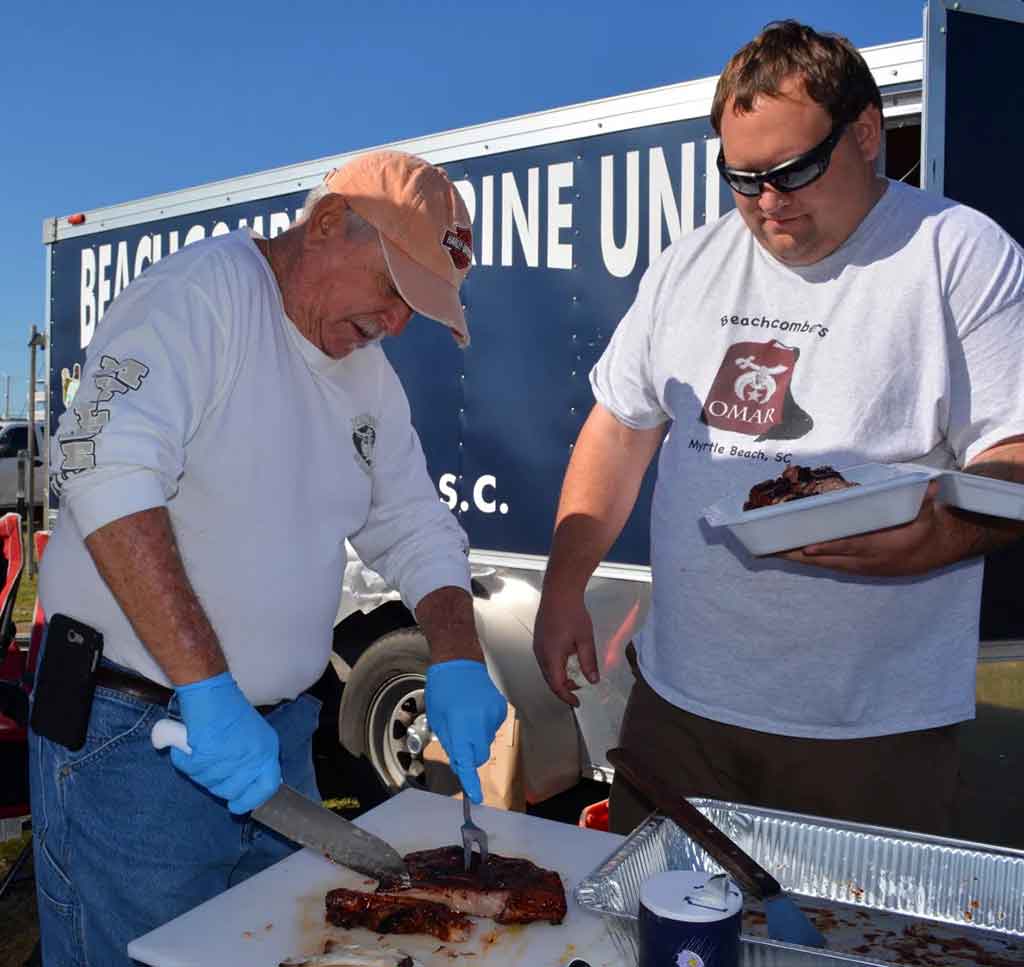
(237, 421)
(888, 325)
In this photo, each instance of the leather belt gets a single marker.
(145, 689)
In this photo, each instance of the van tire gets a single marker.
(383, 714)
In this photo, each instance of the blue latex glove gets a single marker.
(465, 710)
(235, 753)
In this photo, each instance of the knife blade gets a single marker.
(307, 822)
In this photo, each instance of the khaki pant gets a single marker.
(905, 781)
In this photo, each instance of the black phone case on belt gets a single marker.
(65, 681)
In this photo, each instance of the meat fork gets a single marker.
(471, 835)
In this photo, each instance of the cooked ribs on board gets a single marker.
(795, 483)
(389, 913)
(438, 895)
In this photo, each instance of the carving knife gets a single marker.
(786, 921)
(306, 822)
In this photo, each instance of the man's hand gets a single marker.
(935, 538)
(563, 628)
(465, 711)
(235, 752)
(600, 488)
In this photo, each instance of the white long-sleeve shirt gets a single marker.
(199, 394)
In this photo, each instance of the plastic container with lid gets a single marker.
(689, 918)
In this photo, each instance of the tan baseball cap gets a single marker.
(424, 228)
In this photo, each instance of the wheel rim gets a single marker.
(398, 731)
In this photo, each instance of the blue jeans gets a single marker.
(124, 842)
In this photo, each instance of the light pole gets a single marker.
(37, 341)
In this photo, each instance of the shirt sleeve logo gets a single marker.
(78, 443)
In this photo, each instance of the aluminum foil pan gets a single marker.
(879, 896)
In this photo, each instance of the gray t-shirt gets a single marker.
(906, 344)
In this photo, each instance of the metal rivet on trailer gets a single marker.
(575, 299)
(600, 124)
(572, 409)
(573, 373)
(574, 337)
(579, 157)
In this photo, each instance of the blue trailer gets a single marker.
(569, 206)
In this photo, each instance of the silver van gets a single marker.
(14, 439)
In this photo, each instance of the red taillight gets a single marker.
(78, 219)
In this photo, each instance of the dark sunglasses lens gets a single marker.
(797, 178)
(743, 184)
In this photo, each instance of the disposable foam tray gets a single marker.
(983, 495)
(888, 495)
(879, 896)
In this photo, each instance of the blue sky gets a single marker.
(109, 101)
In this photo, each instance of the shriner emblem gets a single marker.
(364, 440)
(459, 242)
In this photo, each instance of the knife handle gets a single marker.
(167, 732)
(739, 864)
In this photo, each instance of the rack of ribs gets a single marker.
(795, 483)
(439, 896)
(507, 889)
(389, 913)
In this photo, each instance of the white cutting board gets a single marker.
(279, 913)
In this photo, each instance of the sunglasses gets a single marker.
(790, 175)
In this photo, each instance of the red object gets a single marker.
(13, 695)
(12, 661)
(595, 816)
(77, 219)
(14, 731)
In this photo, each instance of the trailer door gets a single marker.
(972, 131)
(972, 105)
(972, 138)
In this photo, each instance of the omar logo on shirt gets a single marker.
(751, 393)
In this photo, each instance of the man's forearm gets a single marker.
(600, 488)
(979, 535)
(138, 558)
(446, 617)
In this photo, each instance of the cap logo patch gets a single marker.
(459, 243)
